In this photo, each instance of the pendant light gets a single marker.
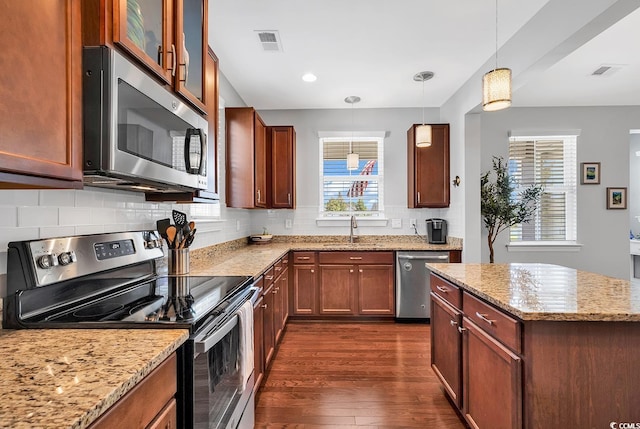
(353, 159)
(496, 84)
(423, 132)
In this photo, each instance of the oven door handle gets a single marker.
(203, 345)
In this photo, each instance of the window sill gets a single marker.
(544, 246)
(344, 221)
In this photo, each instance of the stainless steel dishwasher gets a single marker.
(412, 283)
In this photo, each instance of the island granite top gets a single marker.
(547, 292)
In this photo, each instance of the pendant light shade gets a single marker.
(423, 135)
(353, 159)
(423, 132)
(496, 84)
(496, 90)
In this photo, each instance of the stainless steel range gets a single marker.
(114, 281)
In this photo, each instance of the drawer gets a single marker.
(269, 276)
(356, 258)
(447, 291)
(304, 257)
(492, 320)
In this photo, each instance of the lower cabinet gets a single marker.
(156, 391)
(475, 352)
(304, 284)
(492, 377)
(258, 347)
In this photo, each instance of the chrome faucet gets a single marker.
(354, 225)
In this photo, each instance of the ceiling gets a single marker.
(373, 48)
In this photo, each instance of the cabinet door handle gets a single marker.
(259, 195)
(461, 329)
(313, 271)
(289, 198)
(453, 323)
(355, 258)
(304, 258)
(418, 197)
(264, 306)
(484, 317)
(359, 271)
(173, 59)
(442, 289)
(350, 271)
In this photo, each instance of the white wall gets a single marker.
(604, 138)
(307, 123)
(634, 184)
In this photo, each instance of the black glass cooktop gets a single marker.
(172, 299)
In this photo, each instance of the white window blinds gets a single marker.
(549, 161)
(345, 192)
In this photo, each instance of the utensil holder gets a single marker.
(178, 261)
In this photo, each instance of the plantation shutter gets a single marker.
(550, 162)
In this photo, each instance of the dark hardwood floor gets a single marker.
(354, 375)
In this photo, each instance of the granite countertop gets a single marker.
(66, 378)
(547, 292)
(254, 259)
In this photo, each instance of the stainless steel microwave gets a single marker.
(137, 135)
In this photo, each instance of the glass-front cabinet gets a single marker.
(169, 37)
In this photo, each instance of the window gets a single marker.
(549, 161)
(346, 192)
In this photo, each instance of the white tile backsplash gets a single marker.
(9, 216)
(22, 197)
(76, 216)
(56, 231)
(17, 234)
(57, 198)
(37, 216)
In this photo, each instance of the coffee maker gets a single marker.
(437, 231)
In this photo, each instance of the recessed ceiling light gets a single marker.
(309, 77)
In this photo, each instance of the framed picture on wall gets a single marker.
(590, 173)
(616, 198)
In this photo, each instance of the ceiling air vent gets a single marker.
(606, 70)
(270, 40)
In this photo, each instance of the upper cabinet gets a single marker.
(260, 163)
(282, 142)
(168, 37)
(428, 169)
(40, 111)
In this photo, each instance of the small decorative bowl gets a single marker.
(260, 238)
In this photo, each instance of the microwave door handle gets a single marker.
(187, 144)
(203, 152)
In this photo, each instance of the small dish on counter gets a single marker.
(260, 238)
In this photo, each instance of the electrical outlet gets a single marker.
(412, 223)
(288, 223)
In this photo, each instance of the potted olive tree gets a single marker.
(500, 210)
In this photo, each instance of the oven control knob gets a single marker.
(66, 258)
(47, 261)
(151, 244)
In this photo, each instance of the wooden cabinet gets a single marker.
(446, 349)
(428, 169)
(156, 391)
(260, 161)
(304, 284)
(475, 352)
(280, 314)
(40, 117)
(492, 377)
(356, 283)
(167, 37)
(246, 158)
(282, 142)
(268, 329)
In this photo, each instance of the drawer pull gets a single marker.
(355, 258)
(264, 306)
(350, 271)
(484, 317)
(442, 289)
(313, 271)
(304, 258)
(268, 277)
(453, 323)
(360, 271)
(278, 268)
(461, 329)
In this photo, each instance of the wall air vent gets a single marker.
(270, 40)
(606, 70)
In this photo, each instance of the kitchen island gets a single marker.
(536, 345)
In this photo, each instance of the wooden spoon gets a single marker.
(171, 236)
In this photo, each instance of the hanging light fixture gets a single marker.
(423, 132)
(353, 159)
(496, 84)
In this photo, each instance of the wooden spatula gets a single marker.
(171, 236)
